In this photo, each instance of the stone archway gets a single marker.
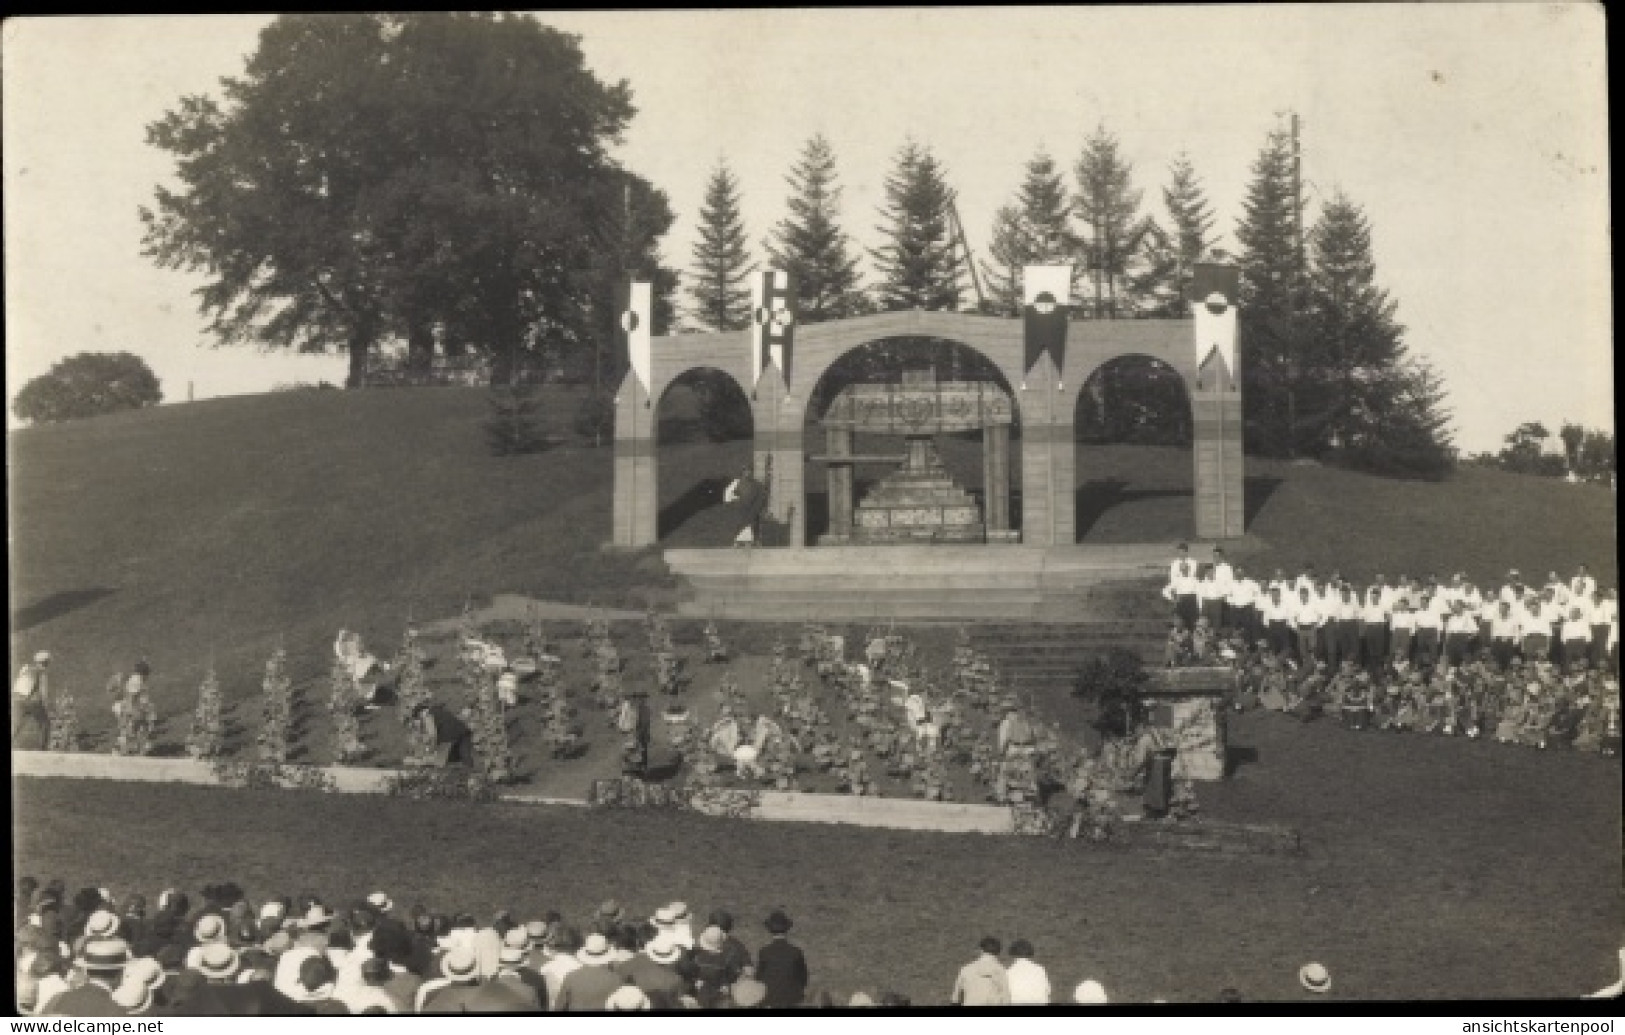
(1045, 397)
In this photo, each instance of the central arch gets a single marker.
(977, 460)
(1134, 427)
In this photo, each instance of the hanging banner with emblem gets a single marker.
(1046, 294)
(637, 314)
(773, 320)
(1214, 294)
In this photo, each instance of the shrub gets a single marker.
(88, 385)
(1111, 685)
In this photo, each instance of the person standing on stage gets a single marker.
(1182, 587)
(1504, 626)
(1307, 619)
(1241, 603)
(1374, 627)
(749, 497)
(30, 705)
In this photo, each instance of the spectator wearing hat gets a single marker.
(522, 967)
(102, 923)
(371, 991)
(30, 705)
(1315, 978)
(310, 940)
(737, 951)
(626, 999)
(137, 991)
(608, 916)
(654, 969)
(506, 991)
(42, 975)
(708, 969)
(560, 948)
(982, 981)
(591, 984)
(214, 990)
(683, 924)
(1029, 982)
(1090, 993)
(460, 979)
(747, 993)
(781, 966)
(209, 929)
(536, 934)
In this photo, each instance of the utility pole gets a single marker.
(1299, 286)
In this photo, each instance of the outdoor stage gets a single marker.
(943, 582)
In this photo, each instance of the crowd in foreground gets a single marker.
(1515, 662)
(92, 956)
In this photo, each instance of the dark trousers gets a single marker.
(1245, 618)
(1308, 645)
(1576, 651)
(1213, 611)
(1374, 639)
(1599, 645)
(1347, 633)
(1456, 645)
(1399, 644)
(1279, 635)
(1186, 608)
(1502, 651)
(1427, 646)
(1536, 647)
(458, 752)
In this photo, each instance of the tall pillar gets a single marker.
(996, 476)
(1219, 480)
(636, 503)
(779, 435)
(840, 483)
(1048, 459)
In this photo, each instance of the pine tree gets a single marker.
(1034, 229)
(1107, 206)
(1274, 334)
(918, 266)
(810, 244)
(207, 737)
(277, 708)
(721, 258)
(1190, 222)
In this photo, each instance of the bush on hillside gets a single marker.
(514, 425)
(88, 385)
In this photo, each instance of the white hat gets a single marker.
(217, 961)
(42, 657)
(595, 951)
(210, 928)
(273, 911)
(316, 916)
(1090, 993)
(516, 938)
(626, 999)
(101, 924)
(663, 950)
(665, 916)
(511, 955)
(380, 901)
(1315, 978)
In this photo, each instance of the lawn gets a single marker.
(1435, 868)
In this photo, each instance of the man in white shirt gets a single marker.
(1223, 573)
(1374, 627)
(1343, 613)
(1558, 588)
(1513, 591)
(1604, 610)
(1211, 592)
(1307, 619)
(1277, 613)
(1029, 983)
(1182, 587)
(1426, 625)
(30, 704)
(1582, 586)
(1460, 629)
(1242, 605)
(1576, 635)
(1504, 626)
(1401, 630)
(1534, 631)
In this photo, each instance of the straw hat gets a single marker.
(1090, 993)
(664, 951)
(595, 952)
(105, 954)
(626, 999)
(217, 961)
(459, 964)
(1315, 978)
(101, 924)
(748, 992)
(210, 928)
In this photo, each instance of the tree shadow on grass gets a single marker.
(1258, 492)
(55, 606)
(702, 495)
(1094, 498)
(1238, 756)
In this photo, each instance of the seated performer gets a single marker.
(365, 669)
(454, 741)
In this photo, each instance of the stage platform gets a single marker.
(938, 582)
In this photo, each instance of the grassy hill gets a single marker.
(221, 527)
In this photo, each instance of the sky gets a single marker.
(1474, 136)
